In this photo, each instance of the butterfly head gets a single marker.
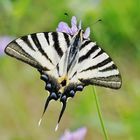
(80, 34)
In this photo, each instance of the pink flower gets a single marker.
(4, 41)
(63, 27)
(79, 134)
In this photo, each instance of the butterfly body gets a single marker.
(61, 80)
(67, 63)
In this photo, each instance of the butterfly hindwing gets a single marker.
(40, 50)
(96, 67)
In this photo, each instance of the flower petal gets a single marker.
(66, 136)
(80, 25)
(79, 134)
(73, 21)
(4, 41)
(63, 27)
(86, 33)
(74, 28)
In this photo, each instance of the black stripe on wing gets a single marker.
(47, 37)
(15, 50)
(67, 39)
(38, 45)
(21, 51)
(57, 67)
(26, 40)
(87, 55)
(113, 81)
(84, 44)
(104, 62)
(113, 66)
(99, 53)
(56, 44)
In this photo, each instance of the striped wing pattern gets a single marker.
(45, 50)
(96, 67)
(40, 50)
(66, 63)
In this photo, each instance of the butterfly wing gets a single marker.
(40, 50)
(95, 67)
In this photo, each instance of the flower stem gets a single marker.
(99, 114)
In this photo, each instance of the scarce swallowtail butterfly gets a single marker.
(67, 61)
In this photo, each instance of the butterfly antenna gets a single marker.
(99, 20)
(45, 107)
(66, 14)
(61, 114)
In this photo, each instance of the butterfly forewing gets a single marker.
(41, 50)
(96, 67)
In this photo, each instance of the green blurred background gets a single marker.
(22, 93)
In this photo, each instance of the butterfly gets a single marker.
(67, 61)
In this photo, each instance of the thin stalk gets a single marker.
(100, 114)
